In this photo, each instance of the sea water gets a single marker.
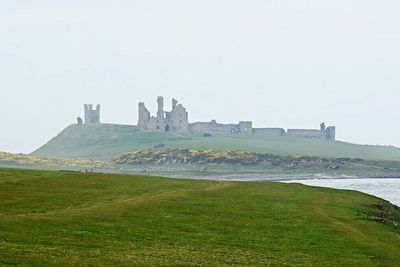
(386, 188)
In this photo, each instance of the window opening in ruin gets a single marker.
(167, 128)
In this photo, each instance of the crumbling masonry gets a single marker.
(176, 120)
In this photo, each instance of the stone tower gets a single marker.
(160, 112)
(174, 103)
(177, 119)
(92, 115)
(330, 133)
(322, 127)
(246, 127)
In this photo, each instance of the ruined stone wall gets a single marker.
(270, 132)
(157, 125)
(149, 123)
(213, 127)
(305, 133)
(246, 127)
(152, 125)
(177, 120)
(144, 117)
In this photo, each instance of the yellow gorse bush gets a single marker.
(31, 160)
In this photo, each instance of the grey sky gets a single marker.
(279, 63)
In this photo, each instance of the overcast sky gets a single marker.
(291, 64)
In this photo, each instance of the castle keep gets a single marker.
(176, 120)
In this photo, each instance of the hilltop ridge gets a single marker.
(104, 141)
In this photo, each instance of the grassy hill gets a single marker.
(58, 219)
(106, 140)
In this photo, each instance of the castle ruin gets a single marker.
(92, 115)
(177, 121)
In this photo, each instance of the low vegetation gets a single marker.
(9, 159)
(192, 156)
(192, 163)
(93, 219)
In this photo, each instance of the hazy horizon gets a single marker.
(289, 64)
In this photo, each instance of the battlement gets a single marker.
(92, 115)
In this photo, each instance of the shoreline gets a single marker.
(384, 188)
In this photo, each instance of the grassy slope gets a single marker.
(104, 141)
(91, 219)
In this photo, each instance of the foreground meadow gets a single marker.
(59, 219)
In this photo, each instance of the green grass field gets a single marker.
(105, 141)
(55, 218)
